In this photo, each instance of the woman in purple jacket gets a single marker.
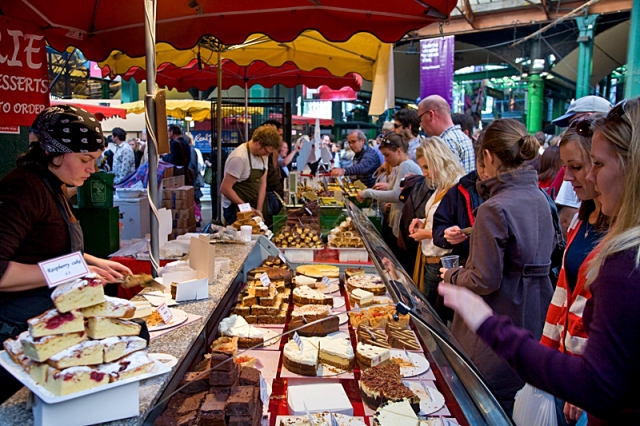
(603, 381)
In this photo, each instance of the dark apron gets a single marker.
(247, 190)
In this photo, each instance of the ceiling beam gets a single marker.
(467, 11)
(500, 19)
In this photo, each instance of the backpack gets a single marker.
(558, 251)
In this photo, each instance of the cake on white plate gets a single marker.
(112, 307)
(372, 283)
(88, 352)
(55, 322)
(335, 351)
(304, 295)
(236, 326)
(118, 346)
(319, 271)
(80, 293)
(37, 370)
(13, 347)
(101, 328)
(42, 348)
(362, 297)
(73, 379)
(310, 313)
(304, 280)
(398, 413)
(369, 356)
(130, 366)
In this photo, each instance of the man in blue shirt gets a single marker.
(365, 161)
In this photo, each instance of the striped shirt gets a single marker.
(461, 145)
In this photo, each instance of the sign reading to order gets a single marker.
(64, 268)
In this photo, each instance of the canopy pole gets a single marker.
(219, 138)
(152, 125)
(246, 111)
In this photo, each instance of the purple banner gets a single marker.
(436, 67)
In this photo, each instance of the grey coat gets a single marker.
(508, 265)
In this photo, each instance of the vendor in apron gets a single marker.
(37, 222)
(245, 173)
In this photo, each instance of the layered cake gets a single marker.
(73, 379)
(304, 295)
(236, 326)
(337, 352)
(101, 328)
(54, 322)
(395, 413)
(274, 274)
(319, 271)
(119, 346)
(362, 297)
(36, 370)
(14, 346)
(303, 361)
(369, 356)
(88, 352)
(80, 293)
(401, 337)
(304, 280)
(42, 348)
(383, 383)
(310, 313)
(352, 272)
(225, 344)
(130, 366)
(112, 307)
(372, 283)
(372, 336)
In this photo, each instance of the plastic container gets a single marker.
(224, 264)
(245, 233)
(97, 191)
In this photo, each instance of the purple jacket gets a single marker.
(604, 381)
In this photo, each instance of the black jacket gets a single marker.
(458, 207)
(415, 194)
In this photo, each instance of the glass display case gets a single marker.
(477, 404)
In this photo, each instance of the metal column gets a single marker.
(535, 97)
(586, 25)
(632, 85)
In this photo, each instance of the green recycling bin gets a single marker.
(97, 191)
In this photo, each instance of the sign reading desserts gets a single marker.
(64, 268)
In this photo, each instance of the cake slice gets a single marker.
(130, 366)
(36, 370)
(212, 411)
(14, 346)
(101, 328)
(42, 348)
(112, 307)
(80, 293)
(372, 336)
(88, 352)
(304, 295)
(395, 413)
(225, 344)
(361, 297)
(352, 272)
(319, 271)
(118, 346)
(304, 280)
(402, 338)
(337, 352)
(73, 379)
(369, 356)
(302, 361)
(310, 313)
(54, 322)
(236, 326)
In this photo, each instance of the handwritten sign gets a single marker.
(264, 279)
(165, 313)
(246, 207)
(64, 268)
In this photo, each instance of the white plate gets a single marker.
(168, 360)
(430, 403)
(420, 363)
(18, 372)
(178, 318)
(271, 337)
(344, 318)
(331, 289)
(382, 300)
(338, 302)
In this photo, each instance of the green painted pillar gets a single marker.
(586, 26)
(129, 91)
(535, 98)
(104, 90)
(632, 85)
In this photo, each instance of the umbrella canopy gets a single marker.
(203, 77)
(99, 26)
(101, 112)
(180, 108)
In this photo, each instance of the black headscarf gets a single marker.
(66, 128)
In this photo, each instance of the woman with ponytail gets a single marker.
(510, 250)
(604, 380)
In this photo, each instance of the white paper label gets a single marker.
(246, 207)
(264, 278)
(334, 421)
(281, 256)
(325, 281)
(165, 313)
(297, 339)
(264, 394)
(64, 268)
(308, 413)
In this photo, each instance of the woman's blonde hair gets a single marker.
(620, 129)
(442, 161)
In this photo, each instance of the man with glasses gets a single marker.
(407, 124)
(365, 161)
(435, 118)
(567, 200)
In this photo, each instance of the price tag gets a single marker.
(308, 413)
(297, 339)
(264, 278)
(165, 313)
(264, 393)
(64, 268)
(325, 281)
(334, 421)
(246, 207)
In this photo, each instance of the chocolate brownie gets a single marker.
(223, 378)
(192, 403)
(249, 376)
(221, 361)
(196, 382)
(190, 419)
(203, 365)
(241, 402)
(212, 411)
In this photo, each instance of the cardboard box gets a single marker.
(173, 182)
(187, 222)
(184, 213)
(182, 231)
(180, 193)
(168, 172)
(177, 204)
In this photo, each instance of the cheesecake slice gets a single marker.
(362, 297)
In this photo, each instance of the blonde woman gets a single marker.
(603, 381)
(442, 168)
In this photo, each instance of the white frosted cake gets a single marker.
(337, 352)
(304, 295)
(397, 413)
(371, 283)
(361, 297)
(302, 361)
(237, 326)
(369, 356)
(130, 366)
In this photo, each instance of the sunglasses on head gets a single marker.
(618, 110)
(583, 127)
(387, 142)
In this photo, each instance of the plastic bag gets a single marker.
(534, 407)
